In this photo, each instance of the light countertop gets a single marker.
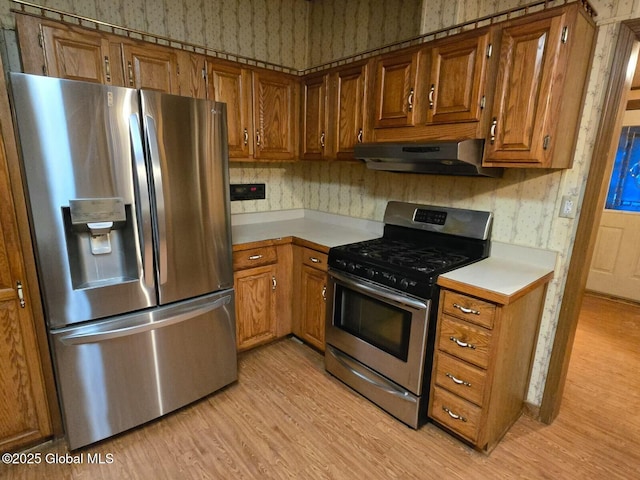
(509, 272)
(322, 228)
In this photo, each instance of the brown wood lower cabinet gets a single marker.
(310, 301)
(255, 282)
(24, 408)
(262, 282)
(482, 363)
(280, 288)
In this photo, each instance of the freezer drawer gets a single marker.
(116, 374)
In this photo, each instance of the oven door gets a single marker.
(382, 329)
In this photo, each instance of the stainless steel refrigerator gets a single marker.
(129, 210)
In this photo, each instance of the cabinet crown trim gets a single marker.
(33, 9)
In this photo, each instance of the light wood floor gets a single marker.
(287, 418)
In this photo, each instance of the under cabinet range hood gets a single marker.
(449, 157)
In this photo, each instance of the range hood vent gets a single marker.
(462, 157)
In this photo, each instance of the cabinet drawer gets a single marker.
(314, 259)
(255, 257)
(455, 413)
(465, 341)
(469, 308)
(460, 378)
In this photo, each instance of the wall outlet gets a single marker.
(568, 207)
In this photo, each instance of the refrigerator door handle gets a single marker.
(154, 153)
(144, 224)
(136, 328)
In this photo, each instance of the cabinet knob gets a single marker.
(107, 68)
(492, 132)
(130, 68)
(20, 294)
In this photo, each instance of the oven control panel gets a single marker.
(433, 217)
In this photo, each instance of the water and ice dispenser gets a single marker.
(100, 241)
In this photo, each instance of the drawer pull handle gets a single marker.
(453, 415)
(462, 344)
(465, 309)
(255, 257)
(324, 293)
(457, 380)
(314, 260)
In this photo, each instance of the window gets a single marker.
(624, 187)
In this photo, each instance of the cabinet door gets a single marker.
(396, 90)
(231, 84)
(349, 93)
(314, 138)
(520, 130)
(274, 110)
(24, 414)
(77, 56)
(151, 67)
(255, 306)
(457, 79)
(193, 74)
(314, 304)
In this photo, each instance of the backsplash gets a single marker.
(523, 200)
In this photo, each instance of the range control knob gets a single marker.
(341, 263)
(393, 279)
(404, 283)
(351, 267)
(371, 272)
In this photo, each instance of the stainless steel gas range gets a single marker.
(383, 298)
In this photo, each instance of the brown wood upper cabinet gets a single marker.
(65, 51)
(348, 99)
(544, 62)
(151, 67)
(222, 81)
(275, 113)
(231, 84)
(397, 96)
(335, 112)
(315, 121)
(456, 80)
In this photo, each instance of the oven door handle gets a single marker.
(385, 294)
(353, 367)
